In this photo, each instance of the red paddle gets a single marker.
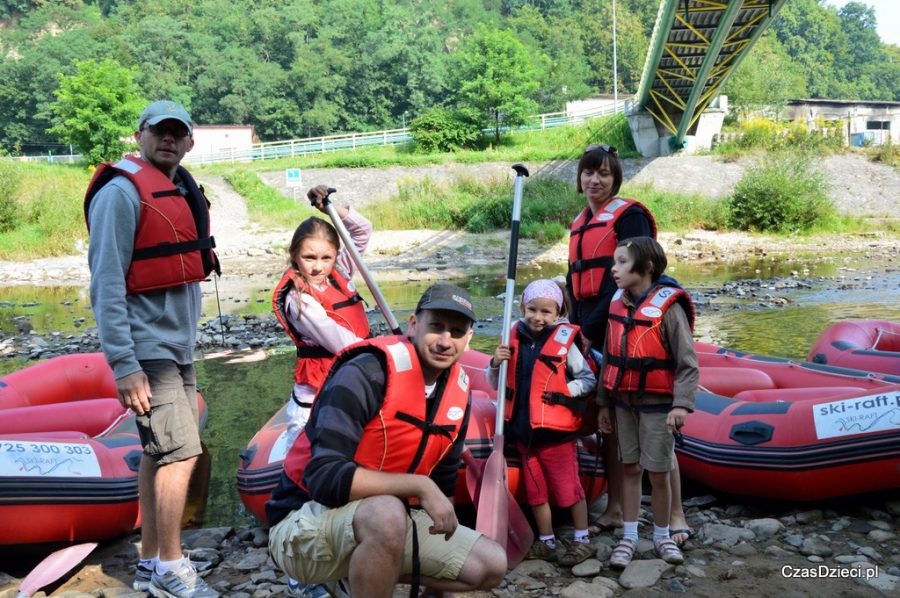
(520, 536)
(494, 503)
(53, 567)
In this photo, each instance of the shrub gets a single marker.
(440, 130)
(10, 178)
(783, 194)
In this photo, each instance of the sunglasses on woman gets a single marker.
(606, 148)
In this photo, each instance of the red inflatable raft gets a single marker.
(261, 462)
(69, 454)
(872, 345)
(774, 428)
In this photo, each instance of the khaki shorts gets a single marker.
(314, 544)
(170, 433)
(646, 439)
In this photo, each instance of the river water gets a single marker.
(777, 307)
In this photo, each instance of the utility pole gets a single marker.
(615, 65)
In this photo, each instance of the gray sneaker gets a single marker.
(339, 588)
(306, 590)
(142, 575)
(181, 582)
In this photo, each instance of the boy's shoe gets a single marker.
(540, 551)
(622, 554)
(668, 550)
(180, 582)
(339, 588)
(577, 552)
(307, 590)
(142, 575)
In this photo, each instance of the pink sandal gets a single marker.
(622, 554)
(668, 550)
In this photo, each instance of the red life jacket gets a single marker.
(551, 405)
(637, 360)
(342, 303)
(400, 439)
(172, 245)
(592, 244)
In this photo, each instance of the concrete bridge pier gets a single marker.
(653, 140)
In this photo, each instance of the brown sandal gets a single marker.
(577, 552)
(540, 551)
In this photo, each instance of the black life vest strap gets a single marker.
(427, 426)
(587, 226)
(590, 264)
(551, 361)
(168, 193)
(313, 352)
(574, 404)
(166, 249)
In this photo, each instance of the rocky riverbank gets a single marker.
(739, 550)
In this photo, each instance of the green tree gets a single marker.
(495, 76)
(766, 78)
(559, 61)
(96, 109)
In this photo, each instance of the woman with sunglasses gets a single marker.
(606, 220)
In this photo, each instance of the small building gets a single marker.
(220, 140)
(867, 122)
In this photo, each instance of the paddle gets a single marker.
(53, 567)
(357, 259)
(520, 535)
(494, 504)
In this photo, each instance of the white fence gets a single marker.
(335, 143)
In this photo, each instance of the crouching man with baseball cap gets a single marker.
(365, 499)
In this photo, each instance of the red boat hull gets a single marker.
(69, 454)
(872, 345)
(773, 428)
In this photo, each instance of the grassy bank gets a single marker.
(41, 205)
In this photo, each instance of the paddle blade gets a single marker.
(520, 536)
(53, 567)
(474, 473)
(493, 503)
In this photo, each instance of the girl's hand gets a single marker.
(318, 193)
(503, 353)
(675, 419)
(604, 420)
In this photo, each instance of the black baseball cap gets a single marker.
(448, 297)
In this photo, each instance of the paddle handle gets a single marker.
(360, 265)
(521, 173)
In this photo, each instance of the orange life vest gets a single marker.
(637, 360)
(551, 405)
(342, 303)
(592, 244)
(400, 439)
(172, 245)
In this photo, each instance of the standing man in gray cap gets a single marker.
(366, 496)
(150, 246)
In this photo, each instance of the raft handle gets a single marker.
(752, 432)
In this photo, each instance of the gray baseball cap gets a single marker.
(164, 110)
(447, 297)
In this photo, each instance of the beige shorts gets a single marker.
(646, 439)
(314, 544)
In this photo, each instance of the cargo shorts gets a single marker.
(169, 431)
